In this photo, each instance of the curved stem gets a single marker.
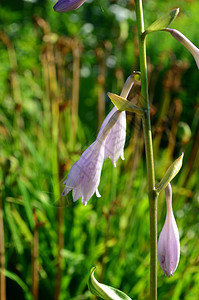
(149, 152)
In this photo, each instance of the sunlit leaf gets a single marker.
(20, 282)
(163, 22)
(171, 172)
(124, 105)
(27, 202)
(22, 225)
(14, 230)
(104, 291)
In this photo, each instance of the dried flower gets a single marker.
(169, 244)
(185, 42)
(84, 176)
(67, 5)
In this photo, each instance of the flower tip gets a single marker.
(122, 156)
(64, 192)
(98, 194)
(169, 274)
(84, 202)
(177, 11)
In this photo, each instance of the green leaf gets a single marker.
(22, 225)
(171, 172)
(20, 282)
(27, 202)
(124, 105)
(104, 291)
(14, 230)
(163, 22)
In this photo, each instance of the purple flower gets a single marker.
(185, 42)
(169, 244)
(115, 141)
(84, 176)
(67, 5)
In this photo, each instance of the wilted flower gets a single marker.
(84, 176)
(67, 5)
(115, 141)
(185, 42)
(169, 244)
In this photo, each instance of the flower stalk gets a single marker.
(153, 195)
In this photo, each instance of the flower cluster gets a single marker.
(84, 177)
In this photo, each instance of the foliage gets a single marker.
(42, 135)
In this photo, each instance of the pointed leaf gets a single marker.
(124, 105)
(163, 22)
(14, 230)
(22, 225)
(171, 172)
(104, 291)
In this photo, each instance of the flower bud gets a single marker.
(169, 244)
(186, 43)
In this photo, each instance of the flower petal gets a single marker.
(74, 177)
(97, 193)
(67, 5)
(115, 141)
(92, 171)
(77, 193)
(114, 145)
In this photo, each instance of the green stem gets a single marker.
(149, 152)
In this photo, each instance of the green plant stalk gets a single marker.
(149, 152)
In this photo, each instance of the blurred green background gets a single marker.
(55, 71)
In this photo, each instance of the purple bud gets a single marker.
(67, 5)
(186, 43)
(169, 244)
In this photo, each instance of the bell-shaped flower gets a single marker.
(67, 5)
(169, 244)
(185, 42)
(84, 176)
(115, 141)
